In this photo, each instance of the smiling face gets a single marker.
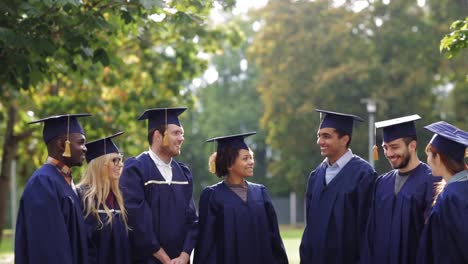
(77, 150)
(398, 153)
(243, 165)
(115, 165)
(331, 145)
(175, 139)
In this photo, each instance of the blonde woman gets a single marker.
(445, 236)
(103, 206)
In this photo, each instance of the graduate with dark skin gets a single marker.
(50, 226)
(445, 234)
(338, 196)
(402, 197)
(238, 224)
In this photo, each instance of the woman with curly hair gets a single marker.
(104, 210)
(237, 222)
(445, 235)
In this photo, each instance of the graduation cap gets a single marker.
(398, 127)
(339, 121)
(449, 139)
(60, 125)
(233, 141)
(101, 147)
(162, 116)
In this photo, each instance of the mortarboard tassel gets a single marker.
(212, 163)
(67, 152)
(375, 148)
(376, 152)
(166, 136)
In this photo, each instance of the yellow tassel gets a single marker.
(67, 152)
(212, 167)
(165, 138)
(212, 163)
(376, 152)
(466, 153)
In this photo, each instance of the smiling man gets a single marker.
(50, 226)
(338, 196)
(403, 197)
(158, 194)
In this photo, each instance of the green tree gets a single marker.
(230, 105)
(110, 58)
(450, 46)
(456, 40)
(312, 54)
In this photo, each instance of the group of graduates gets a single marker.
(142, 211)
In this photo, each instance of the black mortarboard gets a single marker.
(162, 116)
(339, 121)
(398, 127)
(60, 125)
(449, 139)
(234, 141)
(101, 147)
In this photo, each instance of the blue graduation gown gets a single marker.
(236, 232)
(336, 214)
(110, 244)
(160, 215)
(50, 227)
(396, 221)
(445, 236)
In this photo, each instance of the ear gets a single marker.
(344, 140)
(412, 145)
(60, 144)
(437, 160)
(157, 137)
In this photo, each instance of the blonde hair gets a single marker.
(96, 186)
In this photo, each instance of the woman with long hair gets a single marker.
(445, 234)
(104, 210)
(237, 223)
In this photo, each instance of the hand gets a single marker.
(162, 256)
(182, 259)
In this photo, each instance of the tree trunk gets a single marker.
(10, 150)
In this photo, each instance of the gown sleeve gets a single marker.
(192, 217)
(140, 218)
(207, 247)
(365, 196)
(279, 251)
(41, 233)
(367, 250)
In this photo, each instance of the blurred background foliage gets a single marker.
(265, 71)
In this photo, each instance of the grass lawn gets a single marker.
(6, 248)
(292, 239)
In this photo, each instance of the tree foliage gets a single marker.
(110, 58)
(230, 105)
(456, 40)
(313, 54)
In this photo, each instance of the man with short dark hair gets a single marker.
(338, 196)
(402, 197)
(50, 227)
(158, 194)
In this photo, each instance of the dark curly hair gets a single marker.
(225, 157)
